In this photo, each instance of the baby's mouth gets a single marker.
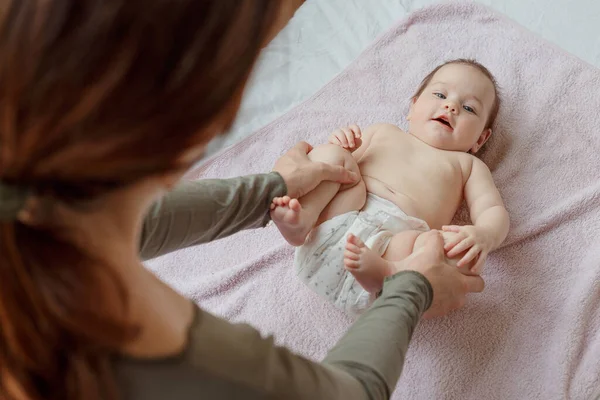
(444, 122)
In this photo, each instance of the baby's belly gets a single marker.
(430, 207)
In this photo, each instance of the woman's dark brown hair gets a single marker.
(94, 96)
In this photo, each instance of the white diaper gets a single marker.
(320, 261)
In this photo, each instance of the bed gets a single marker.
(324, 36)
(535, 331)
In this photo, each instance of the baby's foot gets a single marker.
(287, 214)
(369, 268)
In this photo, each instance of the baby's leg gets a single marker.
(368, 267)
(296, 217)
(466, 269)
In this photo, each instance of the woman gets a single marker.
(103, 106)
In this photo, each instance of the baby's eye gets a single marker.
(469, 109)
(440, 95)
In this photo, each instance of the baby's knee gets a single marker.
(401, 245)
(420, 238)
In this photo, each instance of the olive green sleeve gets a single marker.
(234, 361)
(374, 349)
(201, 211)
(365, 364)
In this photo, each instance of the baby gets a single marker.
(411, 183)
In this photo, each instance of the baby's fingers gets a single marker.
(453, 242)
(462, 246)
(480, 261)
(341, 136)
(356, 130)
(333, 139)
(349, 137)
(471, 254)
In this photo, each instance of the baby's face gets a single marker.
(453, 109)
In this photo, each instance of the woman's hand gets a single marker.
(450, 287)
(301, 175)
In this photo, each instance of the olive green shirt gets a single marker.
(232, 361)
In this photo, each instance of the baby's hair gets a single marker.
(480, 67)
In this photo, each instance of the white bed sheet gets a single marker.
(324, 36)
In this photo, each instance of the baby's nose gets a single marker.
(450, 107)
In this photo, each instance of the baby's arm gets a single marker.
(485, 204)
(489, 217)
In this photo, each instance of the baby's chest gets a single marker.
(441, 169)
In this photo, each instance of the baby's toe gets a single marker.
(353, 248)
(294, 204)
(355, 241)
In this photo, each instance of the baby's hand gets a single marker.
(349, 137)
(470, 238)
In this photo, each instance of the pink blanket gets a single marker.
(535, 331)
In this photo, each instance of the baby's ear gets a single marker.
(485, 135)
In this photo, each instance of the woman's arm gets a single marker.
(198, 212)
(374, 349)
(233, 361)
(201, 211)
(223, 360)
(365, 364)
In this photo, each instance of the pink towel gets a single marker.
(534, 332)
